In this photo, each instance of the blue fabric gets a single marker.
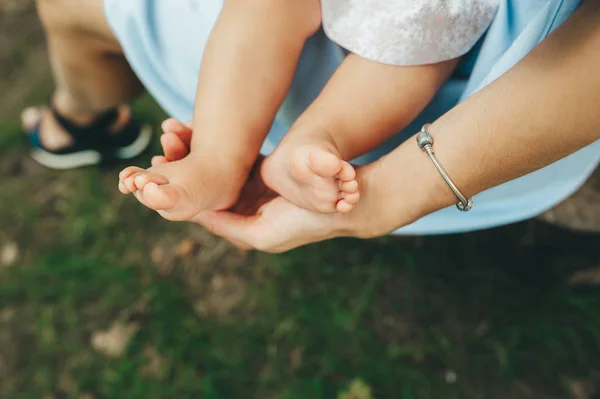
(164, 41)
(34, 138)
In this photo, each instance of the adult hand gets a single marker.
(262, 219)
(517, 124)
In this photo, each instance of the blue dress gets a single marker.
(163, 41)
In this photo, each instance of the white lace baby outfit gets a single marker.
(407, 32)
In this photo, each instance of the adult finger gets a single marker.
(172, 125)
(183, 131)
(238, 244)
(173, 147)
(158, 160)
(238, 229)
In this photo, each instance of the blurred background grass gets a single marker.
(100, 298)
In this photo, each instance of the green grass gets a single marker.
(399, 318)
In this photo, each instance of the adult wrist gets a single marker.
(418, 186)
(396, 190)
(370, 217)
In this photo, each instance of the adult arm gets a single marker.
(543, 109)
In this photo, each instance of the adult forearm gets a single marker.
(543, 109)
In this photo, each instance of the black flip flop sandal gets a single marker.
(93, 144)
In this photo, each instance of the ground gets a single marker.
(100, 298)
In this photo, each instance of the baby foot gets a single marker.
(181, 189)
(314, 177)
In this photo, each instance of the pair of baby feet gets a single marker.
(308, 173)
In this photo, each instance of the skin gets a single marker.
(558, 119)
(248, 66)
(89, 81)
(364, 104)
(245, 74)
(516, 125)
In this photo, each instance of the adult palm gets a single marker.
(261, 219)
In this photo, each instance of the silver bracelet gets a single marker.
(425, 142)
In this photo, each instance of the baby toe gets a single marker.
(323, 163)
(348, 186)
(125, 173)
(351, 198)
(129, 184)
(344, 207)
(347, 172)
(144, 178)
(160, 198)
(123, 189)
